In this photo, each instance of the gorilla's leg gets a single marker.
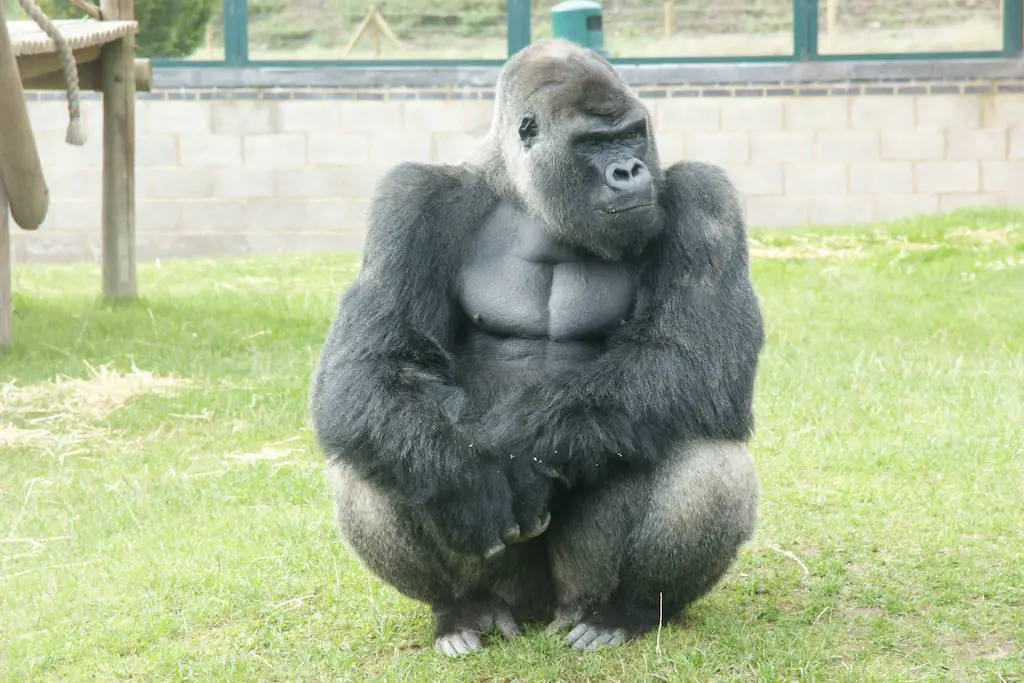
(647, 545)
(468, 596)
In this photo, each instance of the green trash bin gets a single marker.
(579, 21)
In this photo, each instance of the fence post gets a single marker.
(236, 31)
(805, 29)
(1013, 28)
(518, 16)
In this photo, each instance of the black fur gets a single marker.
(465, 444)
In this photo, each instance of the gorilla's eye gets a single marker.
(527, 129)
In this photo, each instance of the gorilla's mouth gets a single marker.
(631, 207)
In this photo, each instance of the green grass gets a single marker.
(184, 531)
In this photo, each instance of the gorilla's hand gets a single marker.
(475, 514)
(532, 484)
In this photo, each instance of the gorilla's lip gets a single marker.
(631, 207)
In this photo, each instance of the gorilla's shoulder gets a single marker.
(703, 207)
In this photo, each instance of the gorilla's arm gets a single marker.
(384, 400)
(683, 367)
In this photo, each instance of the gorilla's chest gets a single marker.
(518, 282)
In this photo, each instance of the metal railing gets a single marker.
(476, 32)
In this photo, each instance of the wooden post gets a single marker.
(119, 157)
(670, 19)
(6, 333)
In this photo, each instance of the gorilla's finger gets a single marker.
(472, 640)
(512, 535)
(506, 623)
(577, 634)
(495, 551)
(615, 637)
(445, 646)
(539, 527)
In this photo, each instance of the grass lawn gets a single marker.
(163, 513)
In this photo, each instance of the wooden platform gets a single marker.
(28, 39)
(104, 57)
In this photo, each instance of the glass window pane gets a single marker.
(687, 28)
(909, 26)
(393, 29)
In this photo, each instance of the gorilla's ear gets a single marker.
(528, 129)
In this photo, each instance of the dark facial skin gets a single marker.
(605, 167)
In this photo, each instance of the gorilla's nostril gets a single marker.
(637, 169)
(621, 174)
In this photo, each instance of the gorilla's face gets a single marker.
(581, 152)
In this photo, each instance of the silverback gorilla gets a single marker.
(536, 397)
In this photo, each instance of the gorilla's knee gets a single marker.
(704, 497)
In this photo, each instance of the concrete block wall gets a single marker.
(231, 172)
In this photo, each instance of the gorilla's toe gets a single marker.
(456, 644)
(591, 636)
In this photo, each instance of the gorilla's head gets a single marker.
(576, 147)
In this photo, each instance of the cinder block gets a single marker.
(671, 147)
(952, 202)
(840, 210)
(886, 177)
(342, 242)
(846, 145)
(275, 215)
(433, 115)
(307, 116)
(913, 145)
(718, 148)
(237, 117)
(948, 111)
(339, 148)
(817, 113)
(73, 215)
(370, 117)
(1016, 147)
(452, 148)
(275, 151)
(176, 183)
(73, 183)
(981, 144)
(479, 114)
(49, 116)
(885, 113)
(213, 216)
(336, 215)
(156, 150)
(820, 178)
(359, 182)
(747, 114)
(756, 178)
(1002, 176)
(1004, 109)
(947, 176)
(389, 150)
(894, 207)
(159, 117)
(307, 182)
(788, 145)
(242, 183)
(57, 247)
(684, 114)
(157, 215)
(210, 150)
(777, 212)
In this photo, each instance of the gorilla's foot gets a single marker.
(457, 629)
(604, 626)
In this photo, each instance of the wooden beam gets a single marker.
(119, 158)
(90, 77)
(31, 66)
(20, 169)
(6, 307)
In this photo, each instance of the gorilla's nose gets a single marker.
(629, 176)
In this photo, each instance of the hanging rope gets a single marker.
(75, 136)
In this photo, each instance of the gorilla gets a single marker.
(536, 397)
